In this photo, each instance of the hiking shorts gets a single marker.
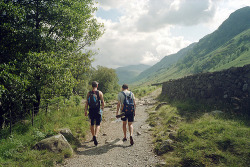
(95, 118)
(129, 117)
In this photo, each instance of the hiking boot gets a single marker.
(95, 141)
(124, 139)
(131, 140)
(92, 139)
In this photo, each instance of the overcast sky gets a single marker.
(145, 31)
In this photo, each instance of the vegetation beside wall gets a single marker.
(207, 139)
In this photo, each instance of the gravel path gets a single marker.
(111, 150)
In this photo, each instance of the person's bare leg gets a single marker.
(130, 126)
(92, 129)
(97, 128)
(131, 129)
(124, 124)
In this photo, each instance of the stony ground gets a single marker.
(111, 150)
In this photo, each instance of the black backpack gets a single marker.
(94, 100)
(128, 104)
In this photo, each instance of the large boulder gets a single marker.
(66, 132)
(56, 144)
(165, 147)
(172, 135)
(160, 105)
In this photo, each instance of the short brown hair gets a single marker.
(124, 86)
(94, 84)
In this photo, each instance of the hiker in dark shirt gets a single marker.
(95, 110)
(126, 96)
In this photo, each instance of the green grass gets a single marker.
(206, 140)
(17, 148)
(143, 91)
(108, 97)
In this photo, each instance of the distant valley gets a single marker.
(128, 73)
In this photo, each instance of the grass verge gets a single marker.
(208, 139)
(16, 148)
(143, 91)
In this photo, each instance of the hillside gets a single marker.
(164, 64)
(125, 74)
(226, 47)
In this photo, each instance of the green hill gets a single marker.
(226, 47)
(125, 74)
(164, 64)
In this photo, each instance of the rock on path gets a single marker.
(111, 150)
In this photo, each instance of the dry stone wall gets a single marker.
(229, 88)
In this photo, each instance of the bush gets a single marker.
(16, 148)
(143, 91)
(110, 96)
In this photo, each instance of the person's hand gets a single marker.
(117, 115)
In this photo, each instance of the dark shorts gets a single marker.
(95, 118)
(129, 117)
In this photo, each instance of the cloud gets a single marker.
(144, 31)
(149, 58)
(121, 48)
(177, 12)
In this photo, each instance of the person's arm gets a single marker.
(134, 104)
(86, 105)
(118, 107)
(135, 107)
(102, 100)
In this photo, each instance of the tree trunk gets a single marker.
(37, 103)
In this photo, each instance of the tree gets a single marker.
(107, 78)
(80, 70)
(12, 89)
(43, 40)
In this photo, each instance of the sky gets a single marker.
(145, 31)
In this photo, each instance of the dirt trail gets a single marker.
(111, 150)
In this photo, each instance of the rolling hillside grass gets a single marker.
(238, 50)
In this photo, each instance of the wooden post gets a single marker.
(47, 105)
(10, 123)
(57, 105)
(33, 111)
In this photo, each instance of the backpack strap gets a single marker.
(124, 94)
(130, 95)
(95, 92)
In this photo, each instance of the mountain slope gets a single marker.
(164, 64)
(235, 24)
(125, 74)
(226, 47)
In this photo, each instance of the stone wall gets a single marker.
(229, 88)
